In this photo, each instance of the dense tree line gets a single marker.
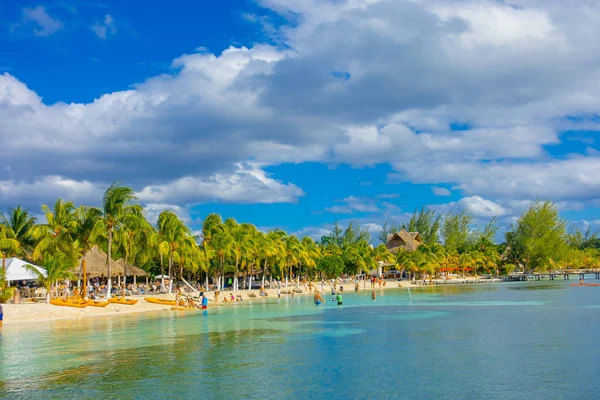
(451, 244)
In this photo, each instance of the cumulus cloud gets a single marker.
(249, 184)
(47, 25)
(354, 81)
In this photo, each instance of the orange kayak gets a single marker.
(157, 300)
(61, 302)
(128, 302)
(97, 303)
(585, 284)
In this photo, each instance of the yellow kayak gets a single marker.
(122, 300)
(157, 300)
(97, 303)
(61, 302)
(185, 309)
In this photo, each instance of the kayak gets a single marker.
(97, 303)
(128, 302)
(61, 302)
(585, 284)
(185, 309)
(157, 300)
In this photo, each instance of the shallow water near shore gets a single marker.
(498, 341)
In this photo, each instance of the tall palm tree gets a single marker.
(172, 235)
(86, 233)
(117, 208)
(56, 268)
(293, 250)
(8, 245)
(19, 223)
(57, 235)
(241, 244)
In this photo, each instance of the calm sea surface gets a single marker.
(537, 340)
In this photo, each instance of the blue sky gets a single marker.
(295, 113)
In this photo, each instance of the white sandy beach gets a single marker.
(42, 312)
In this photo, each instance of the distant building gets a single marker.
(407, 240)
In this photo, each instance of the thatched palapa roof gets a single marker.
(403, 239)
(131, 270)
(96, 264)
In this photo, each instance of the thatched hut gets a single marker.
(96, 264)
(130, 270)
(407, 240)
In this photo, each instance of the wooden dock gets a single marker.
(566, 275)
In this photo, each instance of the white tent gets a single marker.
(16, 271)
(162, 276)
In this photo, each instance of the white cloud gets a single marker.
(410, 69)
(249, 184)
(480, 207)
(105, 28)
(48, 189)
(153, 210)
(440, 191)
(47, 25)
(354, 204)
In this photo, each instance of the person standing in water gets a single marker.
(204, 302)
(1, 315)
(318, 299)
(339, 299)
(373, 295)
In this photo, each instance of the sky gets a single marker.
(297, 113)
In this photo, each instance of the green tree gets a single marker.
(19, 223)
(57, 235)
(539, 236)
(456, 231)
(331, 265)
(117, 208)
(57, 268)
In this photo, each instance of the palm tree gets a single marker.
(116, 208)
(57, 235)
(134, 235)
(241, 244)
(19, 223)
(57, 268)
(292, 254)
(86, 232)
(172, 234)
(7, 245)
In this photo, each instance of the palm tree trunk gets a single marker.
(162, 272)
(125, 271)
(83, 270)
(263, 273)
(235, 277)
(170, 272)
(222, 274)
(108, 262)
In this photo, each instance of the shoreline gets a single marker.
(28, 313)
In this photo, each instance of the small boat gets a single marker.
(585, 284)
(94, 303)
(68, 303)
(122, 300)
(157, 300)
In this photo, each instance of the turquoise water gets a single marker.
(535, 340)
